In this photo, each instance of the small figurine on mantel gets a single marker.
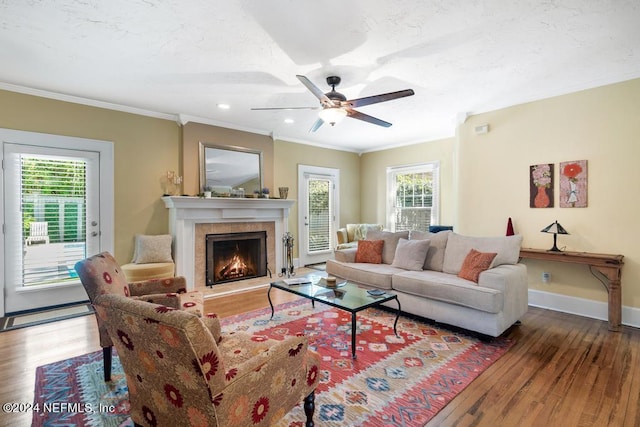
(265, 193)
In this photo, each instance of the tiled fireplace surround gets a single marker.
(192, 218)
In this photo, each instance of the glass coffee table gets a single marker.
(346, 296)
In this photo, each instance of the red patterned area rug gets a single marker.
(394, 381)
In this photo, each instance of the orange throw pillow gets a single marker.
(370, 251)
(475, 263)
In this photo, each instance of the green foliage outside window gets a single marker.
(53, 191)
(414, 190)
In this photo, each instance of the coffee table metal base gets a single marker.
(352, 311)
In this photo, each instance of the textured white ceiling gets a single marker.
(183, 57)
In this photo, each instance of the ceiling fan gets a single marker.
(335, 106)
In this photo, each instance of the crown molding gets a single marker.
(86, 101)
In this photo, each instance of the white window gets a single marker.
(413, 196)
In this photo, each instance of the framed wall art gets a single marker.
(573, 184)
(541, 186)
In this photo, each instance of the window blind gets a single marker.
(53, 217)
(413, 196)
(319, 215)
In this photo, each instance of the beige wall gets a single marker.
(289, 155)
(144, 149)
(601, 126)
(374, 177)
(194, 133)
(484, 178)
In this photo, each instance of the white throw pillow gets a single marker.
(435, 256)
(410, 254)
(150, 249)
(390, 242)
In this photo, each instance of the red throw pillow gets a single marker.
(475, 263)
(370, 251)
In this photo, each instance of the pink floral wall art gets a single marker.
(541, 186)
(573, 184)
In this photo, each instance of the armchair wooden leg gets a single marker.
(309, 408)
(106, 357)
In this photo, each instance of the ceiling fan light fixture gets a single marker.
(333, 115)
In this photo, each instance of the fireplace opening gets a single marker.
(235, 256)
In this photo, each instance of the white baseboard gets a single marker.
(581, 307)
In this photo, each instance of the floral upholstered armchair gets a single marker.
(182, 373)
(101, 274)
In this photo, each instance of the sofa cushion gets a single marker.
(363, 230)
(346, 255)
(410, 254)
(450, 289)
(377, 275)
(351, 231)
(369, 251)
(475, 263)
(458, 246)
(357, 232)
(341, 235)
(349, 245)
(438, 243)
(390, 242)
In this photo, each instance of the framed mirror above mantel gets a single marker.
(194, 133)
(230, 170)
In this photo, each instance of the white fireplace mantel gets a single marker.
(185, 212)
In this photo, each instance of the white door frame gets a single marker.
(106, 187)
(319, 172)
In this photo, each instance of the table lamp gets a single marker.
(556, 229)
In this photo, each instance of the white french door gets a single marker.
(52, 215)
(318, 213)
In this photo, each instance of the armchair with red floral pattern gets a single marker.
(179, 374)
(101, 274)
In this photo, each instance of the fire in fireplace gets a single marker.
(235, 256)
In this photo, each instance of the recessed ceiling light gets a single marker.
(288, 121)
(224, 106)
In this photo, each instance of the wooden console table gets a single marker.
(610, 266)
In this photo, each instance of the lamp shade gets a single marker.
(556, 229)
(333, 115)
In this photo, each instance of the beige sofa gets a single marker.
(347, 237)
(434, 290)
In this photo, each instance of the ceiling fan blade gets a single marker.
(316, 125)
(367, 118)
(324, 100)
(367, 100)
(287, 108)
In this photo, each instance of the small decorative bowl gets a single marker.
(331, 282)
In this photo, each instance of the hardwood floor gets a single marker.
(563, 370)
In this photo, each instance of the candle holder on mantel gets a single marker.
(173, 182)
(284, 192)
